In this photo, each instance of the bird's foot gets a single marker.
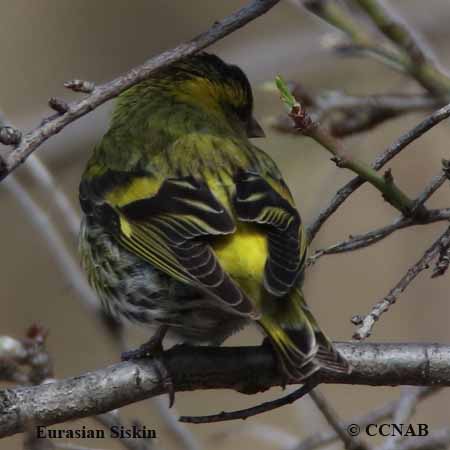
(153, 348)
(166, 380)
(150, 348)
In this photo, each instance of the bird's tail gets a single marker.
(301, 347)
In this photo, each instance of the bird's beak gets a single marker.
(254, 129)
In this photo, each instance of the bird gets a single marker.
(189, 229)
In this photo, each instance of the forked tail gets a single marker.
(301, 347)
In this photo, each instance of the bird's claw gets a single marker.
(144, 351)
(153, 348)
(166, 380)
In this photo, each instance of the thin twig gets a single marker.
(356, 114)
(345, 114)
(80, 86)
(443, 261)
(67, 446)
(254, 410)
(67, 264)
(52, 236)
(323, 438)
(409, 398)
(437, 440)
(330, 101)
(421, 64)
(47, 182)
(364, 240)
(32, 442)
(366, 324)
(265, 433)
(308, 127)
(393, 150)
(112, 419)
(356, 242)
(28, 353)
(33, 139)
(182, 434)
(430, 189)
(364, 42)
(350, 442)
(408, 56)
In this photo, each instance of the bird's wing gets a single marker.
(171, 229)
(267, 201)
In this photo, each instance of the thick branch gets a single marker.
(33, 139)
(245, 369)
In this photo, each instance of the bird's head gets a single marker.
(210, 83)
(207, 83)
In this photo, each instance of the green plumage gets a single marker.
(188, 225)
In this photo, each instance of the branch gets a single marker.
(54, 124)
(437, 440)
(444, 260)
(269, 435)
(420, 64)
(56, 243)
(261, 408)
(350, 442)
(66, 446)
(108, 420)
(364, 240)
(433, 186)
(305, 125)
(366, 324)
(333, 13)
(184, 437)
(30, 353)
(71, 269)
(9, 136)
(323, 438)
(408, 56)
(346, 114)
(54, 194)
(406, 407)
(245, 369)
(343, 193)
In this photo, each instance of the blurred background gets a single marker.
(48, 42)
